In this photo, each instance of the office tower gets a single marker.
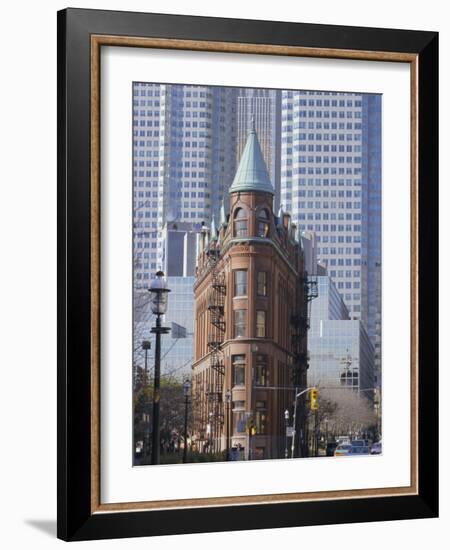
(341, 355)
(309, 244)
(265, 107)
(331, 183)
(371, 123)
(179, 249)
(184, 159)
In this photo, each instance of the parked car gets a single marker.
(359, 450)
(377, 448)
(343, 449)
(343, 439)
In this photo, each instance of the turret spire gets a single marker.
(252, 172)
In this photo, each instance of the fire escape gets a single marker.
(306, 292)
(216, 336)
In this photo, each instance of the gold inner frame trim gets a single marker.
(97, 41)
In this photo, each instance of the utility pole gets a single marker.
(316, 433)
(294, 432)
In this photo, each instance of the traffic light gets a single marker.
(251, 428)
(314, 399)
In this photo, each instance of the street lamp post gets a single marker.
(158, 302)
(146, 345)
(186, 391)
(286, 424)
(228, 403)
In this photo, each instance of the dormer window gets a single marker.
(263, 223)
(240, 223)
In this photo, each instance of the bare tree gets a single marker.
(345, 411)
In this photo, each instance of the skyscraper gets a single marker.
(265, 107)
(340, 352)
(184, 159)
(331, 183)
(179, 249)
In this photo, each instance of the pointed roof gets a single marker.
(252, 172)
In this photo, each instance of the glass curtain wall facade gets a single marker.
(372, 175)
(340, 350)
(177, 347)
(331, 184)
(184, 159)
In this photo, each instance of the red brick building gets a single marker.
(250, 320)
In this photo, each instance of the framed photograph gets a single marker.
(247, 274)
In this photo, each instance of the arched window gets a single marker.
(263, 223)
(240, 223)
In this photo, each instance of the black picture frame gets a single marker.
(75, 518)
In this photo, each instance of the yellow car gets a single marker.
(343, 450)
